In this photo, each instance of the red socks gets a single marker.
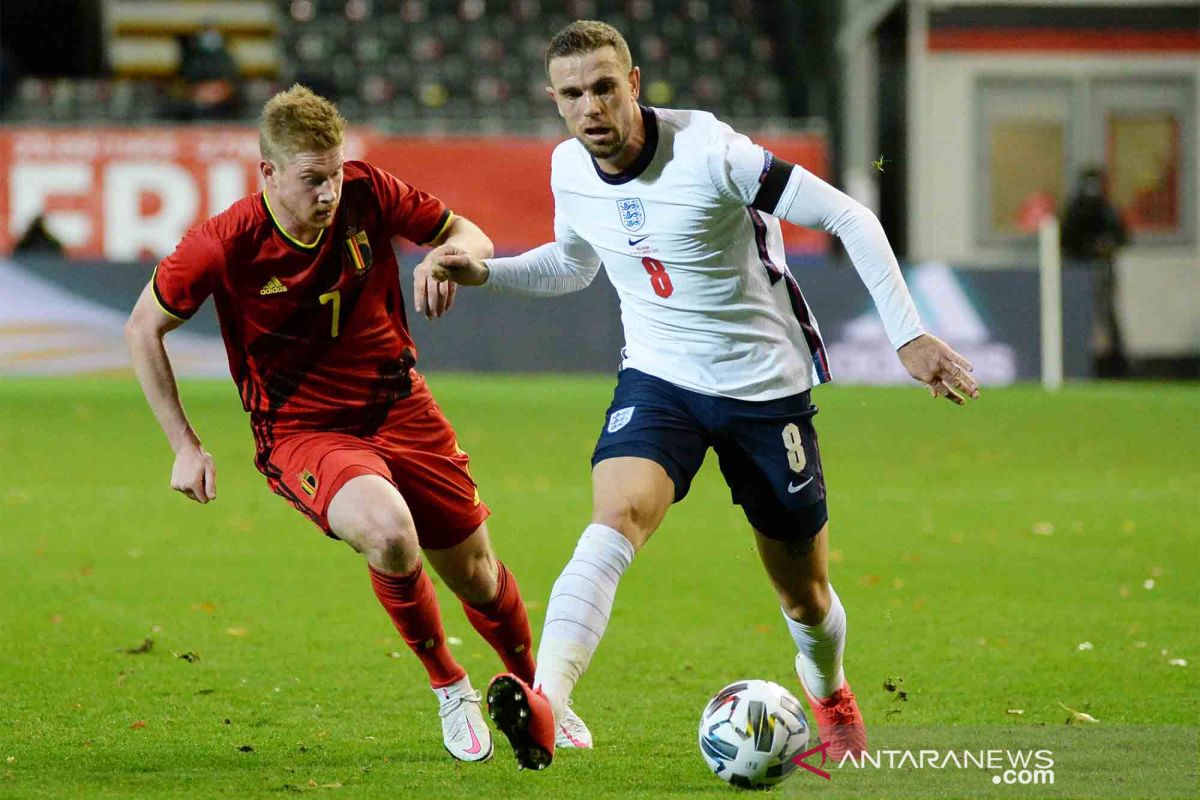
(412, 604)
(504, 625)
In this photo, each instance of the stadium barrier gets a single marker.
(69, 317)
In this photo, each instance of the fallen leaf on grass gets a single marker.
(56, 619)
(1016, 712)
(453, 641)
(206, 607)
(10, 760)
(1078, 716)
(1178, 662)
(1148, 584)
(1086, 646)
(141, 723)
(236, 631)
(145, 647)
(1043, 528)
(869, 580)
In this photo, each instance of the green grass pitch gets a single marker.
(975, 550)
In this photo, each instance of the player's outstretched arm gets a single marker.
(552, 269)
(432, 296)
(193, 473)
(935, 364)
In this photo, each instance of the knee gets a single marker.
(633, 519)
(386, 537)
(807, 602)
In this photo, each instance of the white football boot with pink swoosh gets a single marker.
(464, 732)
(572, 732)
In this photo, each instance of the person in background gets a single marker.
(210, 81)
(1092, 233)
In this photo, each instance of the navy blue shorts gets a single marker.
(767, 449)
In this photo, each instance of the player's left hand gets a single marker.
(433, 298)
(935, 364)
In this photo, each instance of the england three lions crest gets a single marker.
(633, 216)
(620, 418)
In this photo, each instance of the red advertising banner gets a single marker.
(132, 194)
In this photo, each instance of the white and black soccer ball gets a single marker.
(750, 731)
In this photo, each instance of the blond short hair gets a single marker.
(298, 121)
(584, 36)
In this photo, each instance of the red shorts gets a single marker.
(417, 453)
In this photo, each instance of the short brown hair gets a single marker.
(584, 36)
(296, 121)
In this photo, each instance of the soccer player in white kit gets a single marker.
(721, 351)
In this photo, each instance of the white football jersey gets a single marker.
(707, 302)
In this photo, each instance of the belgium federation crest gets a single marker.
(358, 247)
(633, 216)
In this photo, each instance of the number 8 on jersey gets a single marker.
(659, 279)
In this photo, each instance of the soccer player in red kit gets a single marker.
(306, 288)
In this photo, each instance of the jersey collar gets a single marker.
(634, 170)
(287, 237)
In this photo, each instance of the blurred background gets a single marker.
(964, 125)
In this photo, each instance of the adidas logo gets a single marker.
(273, 286)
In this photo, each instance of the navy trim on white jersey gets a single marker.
(816, 347)
(634, 170)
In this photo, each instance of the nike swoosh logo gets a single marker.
(475, 746)
(793, 489)
(635, 242)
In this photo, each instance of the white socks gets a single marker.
(821, 646)
(580, 604)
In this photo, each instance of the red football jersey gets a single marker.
(317, 336)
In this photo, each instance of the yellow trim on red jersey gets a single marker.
(283, 231)
(159, 303)
(435, 241)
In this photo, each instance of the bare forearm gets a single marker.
(154, 373)
(467, 236)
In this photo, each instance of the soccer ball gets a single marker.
(749, 732)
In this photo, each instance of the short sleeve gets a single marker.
(184, 279)
(737, 165)
(419, 217)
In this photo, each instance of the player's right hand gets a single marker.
(195, 474)
(459, 267)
